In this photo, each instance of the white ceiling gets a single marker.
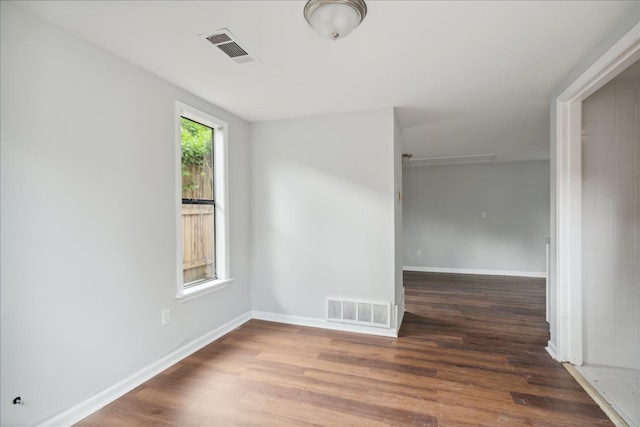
(468, 77)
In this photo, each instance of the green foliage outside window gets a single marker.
(196, 144)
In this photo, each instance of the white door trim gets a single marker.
(569, 191)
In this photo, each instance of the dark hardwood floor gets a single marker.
(470, 353)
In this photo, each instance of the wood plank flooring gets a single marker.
(470, 353)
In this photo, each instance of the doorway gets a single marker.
(566, 293)
(611, 242)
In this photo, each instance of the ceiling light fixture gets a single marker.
(335, 18)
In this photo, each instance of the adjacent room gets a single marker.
(324, 212)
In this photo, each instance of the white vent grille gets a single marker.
(232, 49)
(364, 312)
(349, 311)
(380, 313)
(334, 311)
(227, 43)
(359, 312)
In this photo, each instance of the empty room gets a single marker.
(324, 212)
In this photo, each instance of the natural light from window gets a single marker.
(202, 215)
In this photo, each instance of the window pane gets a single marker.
(198, 209)
(198, 236)
(197, 160)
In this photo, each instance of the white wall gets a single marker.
(443, 208)
(610, 209)
(399, 249)
(323, 211)
(88, 220)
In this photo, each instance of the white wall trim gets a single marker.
(541, 274)
(622, 54)
(108, 395)
(568, 240)
(400, 318)
(569, 231)
(323, 324)
(400, 309)
(221, 193)
(551, 349)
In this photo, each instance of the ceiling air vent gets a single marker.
(227, 42)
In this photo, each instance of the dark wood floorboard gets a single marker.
(471, 352)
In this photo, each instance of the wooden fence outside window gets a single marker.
(198, 227)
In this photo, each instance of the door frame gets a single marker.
(568, 258)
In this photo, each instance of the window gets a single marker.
(202, 219)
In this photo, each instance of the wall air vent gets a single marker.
(227, 43)
(359, 312)
(453, 160)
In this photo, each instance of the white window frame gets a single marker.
(221, 196)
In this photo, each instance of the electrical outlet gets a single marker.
(166, 316)
(419, 252)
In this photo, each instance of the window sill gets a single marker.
(203, 289)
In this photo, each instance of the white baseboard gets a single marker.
(400, 309)
(476, 271)
(551, 349)
(321, 323)
(399, 321)
(96, 402)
